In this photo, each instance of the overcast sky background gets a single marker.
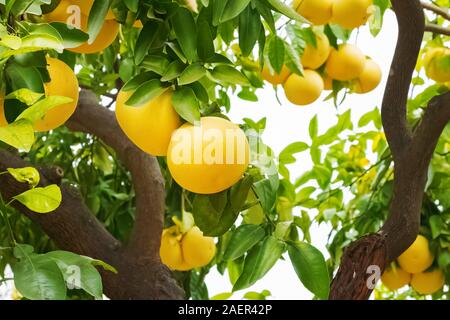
(288, 123)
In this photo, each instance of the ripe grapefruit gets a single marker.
(209, 157)
(151, 125)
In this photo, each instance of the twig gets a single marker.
(436, 9)
(431, 27)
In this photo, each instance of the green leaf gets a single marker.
(311, 268)
(71, 37)
(276, 53)
(243, 239)
(27, 175)
(186, 31)
(259, 261)
(192, 73)
(25, 95)
(138, 80)
(215, 214)
(249, 29)
(97, 17)
(147, 91)
(173, 71)
(233, 9)
(230, 75)
(78, 272)
(11, 41)
(38, 277)
(155, 63)
(437, 225)
(41, 200)
(313, 128)
(147, 37)
(218, 9)
(266, 194)
(286, 156)
(376, 22)
(40, 42)
(25, 77)
(205, 41)
(39, 109)
(19, 134)
(186, 104)
(292, 59)
(287, 10)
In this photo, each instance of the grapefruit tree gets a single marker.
(118, 160)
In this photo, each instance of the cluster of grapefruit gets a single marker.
(323, 63)
(206, 157)
(414, 269)
(185, 251)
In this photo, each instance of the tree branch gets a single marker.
(147, 179)
(436, 9)
(411, 24)
(141, 275)
(434, 28)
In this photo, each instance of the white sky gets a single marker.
(288, 123)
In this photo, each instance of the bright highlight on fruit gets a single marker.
(317, 12)
(210, 157)
(428, 282)
(351, 14)
(304, 90)
(150, 125)
(395, 279)
(77, 19)
(183, 252)
(418, 257)
(273, 77)
(315, 56)
(346, 63)
(369, 79)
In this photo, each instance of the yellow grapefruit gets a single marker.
(437, 64)
(304, 90)
(428, 282)
(151, 125)
(395, 279)
(369, 79)
(275, 78)
(104, 39)
(198, 250)
(209, 157)
(315, 56)
(417, 257)
(346, 63)
(317, 12)
(351, 14)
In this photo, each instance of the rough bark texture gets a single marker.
(412, 152)
(141, 275)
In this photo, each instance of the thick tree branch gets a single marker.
(411, 24)
(141, 275)
(412, 152)
(147, 179)
(436, 9)
(434, 28)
